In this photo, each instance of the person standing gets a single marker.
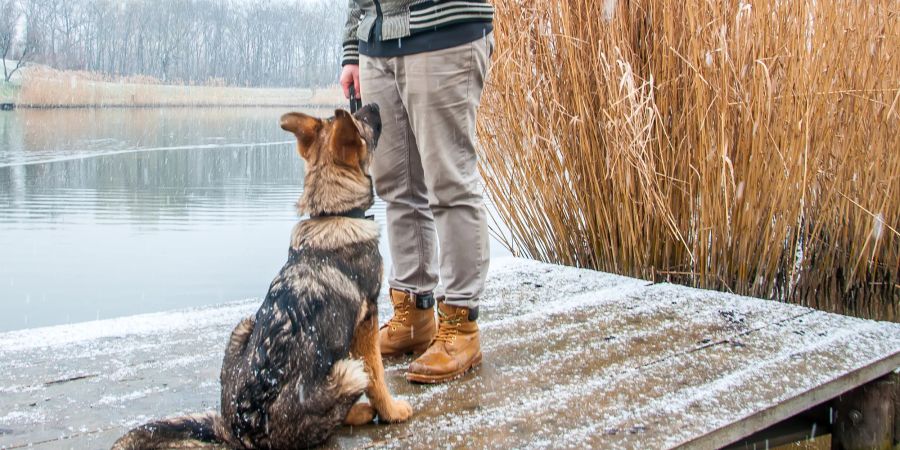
(425, 62)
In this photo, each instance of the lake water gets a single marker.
(113, 212)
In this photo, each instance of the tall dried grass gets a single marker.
(48, 88)
(746, 146)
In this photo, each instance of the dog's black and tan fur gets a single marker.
(290, 376)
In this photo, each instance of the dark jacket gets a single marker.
(404, 18)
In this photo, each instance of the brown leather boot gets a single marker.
(456, 348)
(410, 330)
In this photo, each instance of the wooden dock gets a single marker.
(573, 358)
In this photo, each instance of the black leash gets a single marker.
(355, 101)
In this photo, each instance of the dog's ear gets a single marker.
(306, 128)
(346, 140)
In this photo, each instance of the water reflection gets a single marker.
(153, 190)
(142, 227)
(36, 135)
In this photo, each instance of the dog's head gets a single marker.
(344, 140)
(337, 152)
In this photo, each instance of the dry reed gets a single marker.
(45, 87)
(744, 146)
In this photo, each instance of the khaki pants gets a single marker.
(425, 167)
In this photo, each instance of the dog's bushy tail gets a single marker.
(194, 431)
(348, 378)
(346, 383)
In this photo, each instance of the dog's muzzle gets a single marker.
(371, 116)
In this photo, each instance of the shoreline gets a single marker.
(16, 106)
(50, 89)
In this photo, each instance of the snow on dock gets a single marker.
(572, 358)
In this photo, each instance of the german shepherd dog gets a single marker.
(291, 374)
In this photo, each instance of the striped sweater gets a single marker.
(403, 18)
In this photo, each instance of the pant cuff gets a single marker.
(423, 300)
(471, 305)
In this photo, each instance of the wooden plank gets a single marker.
(796, 429)
(796, 405)
(572, 357)
(670, 399)
(531, 371)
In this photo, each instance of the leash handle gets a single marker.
(355, 101)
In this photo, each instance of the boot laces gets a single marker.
(449, 327)
(401, 311)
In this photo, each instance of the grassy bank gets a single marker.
(46, 88)
(745, 148)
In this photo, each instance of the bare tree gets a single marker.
(14, 42)
(292, 43)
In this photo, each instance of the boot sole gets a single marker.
(415, 351)
(435, 379)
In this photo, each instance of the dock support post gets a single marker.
(868, 417)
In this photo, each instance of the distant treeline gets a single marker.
(266, 43)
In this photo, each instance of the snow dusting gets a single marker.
(572, 359)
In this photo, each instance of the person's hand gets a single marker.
(350, 77)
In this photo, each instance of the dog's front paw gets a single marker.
(398, 411)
